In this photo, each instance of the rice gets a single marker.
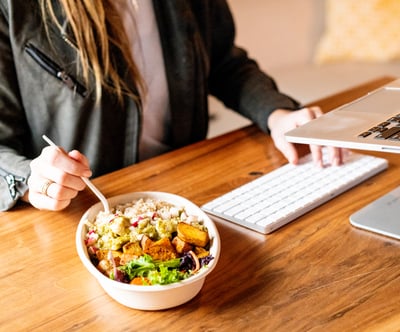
(128, 222)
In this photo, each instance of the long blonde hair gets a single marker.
(97, 30)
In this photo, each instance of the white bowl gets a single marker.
(155, 297)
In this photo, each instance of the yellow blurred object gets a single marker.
(366, 31)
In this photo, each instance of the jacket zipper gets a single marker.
(12, 181)
(54, 69)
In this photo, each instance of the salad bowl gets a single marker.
(149, 297)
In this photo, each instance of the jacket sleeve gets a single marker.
(14, 167)
(236, 79)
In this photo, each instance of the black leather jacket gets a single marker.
(42, 90)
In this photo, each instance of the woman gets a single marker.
(116, 82)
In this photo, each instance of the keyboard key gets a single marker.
(388, 133)
(278, 197)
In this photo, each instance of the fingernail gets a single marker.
(87, 173)
(335, 161)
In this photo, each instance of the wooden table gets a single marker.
(317, 273)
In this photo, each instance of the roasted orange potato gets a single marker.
(162, 250)
(181, 246)
(192, 235)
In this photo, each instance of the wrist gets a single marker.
(25, 197)
(275, 116)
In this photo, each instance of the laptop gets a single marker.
(380, 216)
(371, 122)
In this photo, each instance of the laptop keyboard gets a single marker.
(286, 193)
(389, 129)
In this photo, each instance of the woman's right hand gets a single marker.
(56, 178)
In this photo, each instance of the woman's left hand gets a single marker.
(281, 121)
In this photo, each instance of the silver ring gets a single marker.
(46, 186)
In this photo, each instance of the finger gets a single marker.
(287, 149)
(79, 157)
(338, 155)
(61, 193)
(39, 173)
(316, 110)
(44, 202)
(63, 185)
(48, 195)
(290, 153)
(41, 169)
(335, 156)
(282, 121)
(316, 153)
(56, 157)
(51, 189)
(307, 114)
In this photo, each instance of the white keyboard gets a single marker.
(278, 197)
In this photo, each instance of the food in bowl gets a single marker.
(150, 243)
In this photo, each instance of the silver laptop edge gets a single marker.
(342, 126)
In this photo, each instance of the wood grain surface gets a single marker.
(316, 274)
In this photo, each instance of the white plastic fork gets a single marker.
(92, 187)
